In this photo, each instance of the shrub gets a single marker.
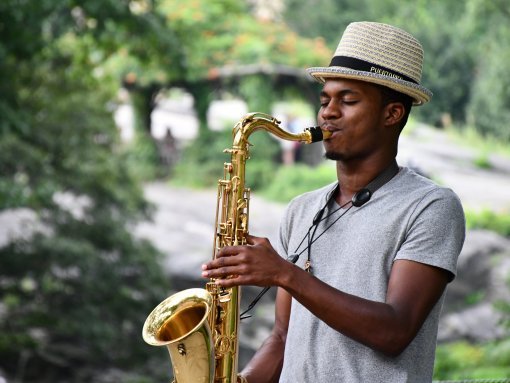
(290, 181)
(490, 220)
(202, 161)
(463, 360)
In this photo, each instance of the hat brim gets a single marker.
(418, 93)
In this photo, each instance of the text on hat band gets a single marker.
(362, 65)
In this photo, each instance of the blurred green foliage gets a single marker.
(490, 220)
(220, 33)
(75, 285)
(74, 292)
(488, 109)
(469, 137)
(201, 165)
(463, 360)
(290, 182)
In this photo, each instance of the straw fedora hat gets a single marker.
(381, 54)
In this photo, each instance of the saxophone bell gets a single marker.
(180, 323)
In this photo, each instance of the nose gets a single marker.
(329, 111)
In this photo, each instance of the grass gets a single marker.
(463, 360)
(484, 145)
(290, 181)
(489, 220)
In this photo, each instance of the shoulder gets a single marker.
(434, 223)
(411, 199)
(427, 191)
(421, 191)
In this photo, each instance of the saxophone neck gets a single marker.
(261, 121)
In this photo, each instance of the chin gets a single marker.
(335, 156)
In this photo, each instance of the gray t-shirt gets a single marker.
(407, 218)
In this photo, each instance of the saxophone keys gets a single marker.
(181, 349)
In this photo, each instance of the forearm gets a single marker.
(376, 324)
(387, 326)
(266, 364)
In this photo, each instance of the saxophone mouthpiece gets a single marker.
(326, 134)
(318, 134)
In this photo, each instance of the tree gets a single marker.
(488, 108)
(448, 66)
(74, 292)
(218, 34)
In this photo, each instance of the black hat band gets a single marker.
(365, 66)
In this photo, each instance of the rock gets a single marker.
(475, 267)
(480, 323)
(483, 279)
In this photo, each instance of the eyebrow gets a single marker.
(341, 93)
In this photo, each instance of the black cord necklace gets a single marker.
(358, 200)
(294, 257)
(312, 239)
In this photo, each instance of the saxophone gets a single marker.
(199, 327)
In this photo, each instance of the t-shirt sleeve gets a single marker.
(435, 231)
(282, 244)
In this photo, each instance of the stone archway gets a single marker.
(279, 81)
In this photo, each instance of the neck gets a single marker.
(353, 176)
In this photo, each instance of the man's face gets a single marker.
(353, 111)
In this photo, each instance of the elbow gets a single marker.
(394, 344)
(393, 351)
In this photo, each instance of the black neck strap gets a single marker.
(364, 195)
(383, 178)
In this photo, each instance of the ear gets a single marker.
(393, 113)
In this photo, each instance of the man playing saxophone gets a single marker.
(371, 254)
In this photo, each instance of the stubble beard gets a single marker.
(334, 156)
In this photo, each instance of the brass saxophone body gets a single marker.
(199, 327)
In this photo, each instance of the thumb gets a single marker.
(252, 240)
